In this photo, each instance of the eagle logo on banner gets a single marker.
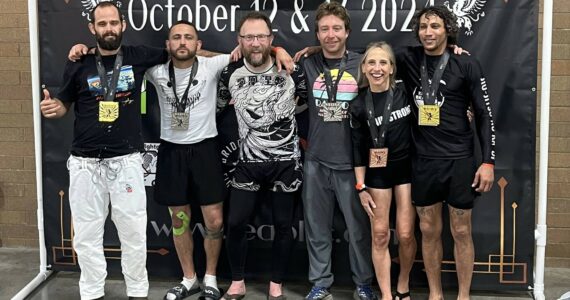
(467, 12)
(89, 5)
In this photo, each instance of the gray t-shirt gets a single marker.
(330, 142)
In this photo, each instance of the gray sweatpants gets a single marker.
(322, 186)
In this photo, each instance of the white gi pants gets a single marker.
(93, 183)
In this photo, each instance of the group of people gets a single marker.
(381, 123)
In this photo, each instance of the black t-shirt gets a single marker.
(462, 84)
(398, 135)
(330, 142)
(81, 85)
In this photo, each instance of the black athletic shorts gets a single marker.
(277, 176)
(186, 173)
(443, 180)
(395, 173)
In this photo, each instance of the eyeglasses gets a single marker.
(260, 37)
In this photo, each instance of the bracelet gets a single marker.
(274, 49)
(488, 165)
(360, 187)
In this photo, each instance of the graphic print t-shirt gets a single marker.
(330, 142)
(264, 104)
(201, 95)
(462, 84)
(81, 85)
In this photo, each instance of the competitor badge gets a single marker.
(378, 157)
(180, 120)
(108, 111)
(331, 112)
(428, 115)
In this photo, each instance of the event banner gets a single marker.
(501, 34)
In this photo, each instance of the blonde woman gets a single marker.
(380, 122)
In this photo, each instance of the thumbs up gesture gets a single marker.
(51, 108)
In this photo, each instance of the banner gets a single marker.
(502, 34)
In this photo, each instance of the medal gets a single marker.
(378, 157)
(331, 112)
(180, 120)
(428, 115)
(108, 111)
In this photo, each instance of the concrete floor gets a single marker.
(19, 266)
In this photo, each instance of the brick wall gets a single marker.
(17, 181)
(558, 219)
(17, 175)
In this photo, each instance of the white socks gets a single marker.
(210, 280)
(188, 283)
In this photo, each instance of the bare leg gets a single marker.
(460, 222)
(380, 239)
(405, 219)
(431, 226)
(213, 219)
(183, 241)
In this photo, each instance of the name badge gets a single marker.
(331, 112)
(428, 115)
(378, 158)
(180, 120)
(108, 111)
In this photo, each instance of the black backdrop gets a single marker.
(502, 34)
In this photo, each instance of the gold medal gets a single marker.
(428, 115)
(331, 112)
(108, 111)
(378, 158)
(180, 120)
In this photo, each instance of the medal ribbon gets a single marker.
(332, 88)
(378, 133)
(180, 103)
(109, 88)
(429, 91)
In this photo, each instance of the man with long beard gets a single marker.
(105, 164)
(264, 103)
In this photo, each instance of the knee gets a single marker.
(380, 238)
(430, 230)
(461, 232)
(180, 222)
(406, 237)
(215, 224)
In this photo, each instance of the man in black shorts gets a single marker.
(189, 164)
(264, 103)
(444, 169)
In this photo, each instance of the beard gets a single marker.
(248, 54)
(111, 44)
(183, 57)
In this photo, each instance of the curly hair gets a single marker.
(335, 9)
(449, 21)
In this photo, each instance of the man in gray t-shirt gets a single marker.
(328, 169)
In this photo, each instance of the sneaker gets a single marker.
(319, 293)
(180, 291)
(364, 292)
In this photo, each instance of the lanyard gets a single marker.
(378, 133)
(180, 103)
(429, 91)
(332, 88)
(109, 88)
